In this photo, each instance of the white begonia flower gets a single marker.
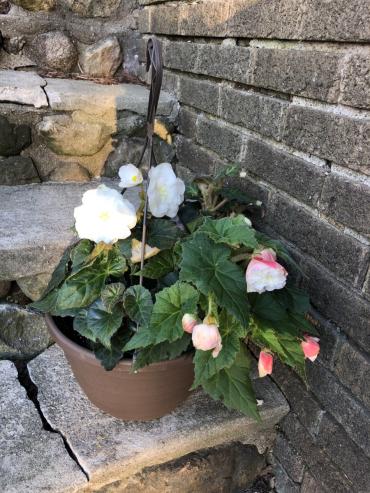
(165, 191)
(130, 176)
(104, 216)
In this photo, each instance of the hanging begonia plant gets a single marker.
(204, 282)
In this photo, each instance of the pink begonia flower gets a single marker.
(265, 364)
(207, 337)
(264, 273)
(310, 347)
(188, 323)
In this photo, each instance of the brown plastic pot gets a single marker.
(152, 392)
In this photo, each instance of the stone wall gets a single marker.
(282, 89)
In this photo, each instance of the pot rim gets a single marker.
(64, 341)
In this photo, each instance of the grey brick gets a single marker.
(220, 138)
(188, 122)
(347, 200)
(286, 19)
(200, 94)
(301, 402)
(344, 255)
(319, 464)
(290, 459)
(215, 60)
(356, 81)
(341, 139)
(171, 83)
(330, 339)
(261, 114)
(283, 483)
(353, 370)
(312, 74)
(335, 301)
(197, 159)
(343, 406)
(180, 56)
(310, 485)
(344, 453)
(287, 172)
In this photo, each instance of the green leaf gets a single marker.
(80, 254)
(141, 339)
(103, 324)
(162, 352)
(232, 332)
(116, 264)
(162, 233)
(112, 294)
(233, 386)
(125, 247)
(59, 273)
(233, 231)
(80, 326)
(138, 304)
(269, 306)
(159, 266)
(285, 345)
(109, 358)
(171, 305)
(207, 265)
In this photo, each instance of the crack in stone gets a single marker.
(32, 394)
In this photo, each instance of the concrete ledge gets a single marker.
(111, 450)
(72, 95)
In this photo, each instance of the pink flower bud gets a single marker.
(264, 273)
(207, 337)
(265, 364)
(310, 347)
(188, 323)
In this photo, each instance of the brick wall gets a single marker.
(282, 89)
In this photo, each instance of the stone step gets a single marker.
(36, 226)
(31, 458)
(111, 451)
(28, 88)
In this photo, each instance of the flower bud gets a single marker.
(310, 347)
(265, 364)
(207, 337)
(188, 323)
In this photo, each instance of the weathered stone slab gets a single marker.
(22, 87)
(110, 450)
(24, 333)
(31, 459)
(35, 229)
(70, 95)
(36, 226)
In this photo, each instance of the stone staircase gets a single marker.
(71, 446)
(63, 136)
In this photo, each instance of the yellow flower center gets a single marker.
(134, 178)
(162, 191)
(104, 216)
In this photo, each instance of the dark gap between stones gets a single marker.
(32, 394)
